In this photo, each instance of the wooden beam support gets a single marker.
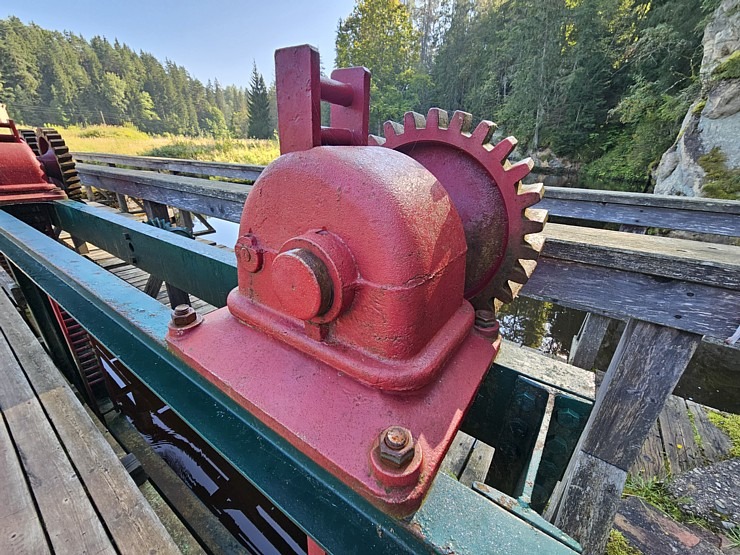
(646, 367)
(586, 344)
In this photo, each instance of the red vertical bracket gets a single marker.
(298, 85)
(300, 90)
(356, 116)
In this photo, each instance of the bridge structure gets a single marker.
(561, 452)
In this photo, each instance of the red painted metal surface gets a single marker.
(500, 227)
(22, 176)
(349, 318)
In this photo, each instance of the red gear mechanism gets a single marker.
(501, 229)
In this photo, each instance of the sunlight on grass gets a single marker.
(113, 139)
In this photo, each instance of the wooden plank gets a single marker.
(586, 344)
(457, 455)
(20, 527)
(715, 444)
(707, 263)
(69, 518)
(130, 520)
(647, 365)
(690, 307)
(202, 196)
(216, 169)
(679, 443)
(535, 365)
(590, 501)
(650, 462)
(478, 464)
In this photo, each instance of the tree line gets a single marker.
(61, 78)
(604, 83)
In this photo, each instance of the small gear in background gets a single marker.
(58, 162)
(501, 228)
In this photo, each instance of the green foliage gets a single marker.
(260, 152)
(260, 126)
(734, 536)
(730, 424)
(48, 77)
(379, 35)
(618, 545)
(729, 69)
(722, 182)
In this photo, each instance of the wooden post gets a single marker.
(586, 344)
(646, 367)
(122, 202)
(156, 210)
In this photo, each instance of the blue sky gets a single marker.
(210, 38)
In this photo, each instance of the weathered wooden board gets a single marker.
(715, 444)
(646, 210)
(214, 169)
(691, 307)
(69, 518)
(128, 517)
(536, 365)
(20, 528)
(587, 343)
(707, 263)
(651, 460)
(479, 461)
(457, 455)
(589, 502)
(682, 452)
(219, 199)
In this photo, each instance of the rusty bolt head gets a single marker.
(568, 418)
(183, 315)
(396, 446)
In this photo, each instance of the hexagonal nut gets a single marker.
(526, 401)
(568, 418)
(396, 457)
(183, 315)
(485, 319)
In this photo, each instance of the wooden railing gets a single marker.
(670, 291)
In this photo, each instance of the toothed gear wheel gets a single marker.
(30, 137)
(500, 227)
(64, 169)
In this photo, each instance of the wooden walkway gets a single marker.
(62, 487)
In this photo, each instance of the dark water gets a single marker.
(241, 508)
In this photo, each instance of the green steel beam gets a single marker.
(207, 272)
(133, 326)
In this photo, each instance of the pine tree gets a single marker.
(258, 104)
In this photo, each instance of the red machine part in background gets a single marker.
(349, 333)
(23, 178)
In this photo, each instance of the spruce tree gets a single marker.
(258, 104)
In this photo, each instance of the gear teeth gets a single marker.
(529, 195)
(531, 247)
(414, 120)
(460, 122)
(503, 148)
(438, 118)
(520, 170)
(483, 132)
(391, 128)
(519, 273)
(374, 140)
(504, 293)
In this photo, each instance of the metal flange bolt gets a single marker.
(183, 315)
(568, 418)
(396, 446)
(486, 323)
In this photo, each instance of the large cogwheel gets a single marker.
(60, 166)
(502, 231)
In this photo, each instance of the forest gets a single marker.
(603, 84)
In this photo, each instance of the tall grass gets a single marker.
(129, 140)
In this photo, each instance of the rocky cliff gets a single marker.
(707, 150)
